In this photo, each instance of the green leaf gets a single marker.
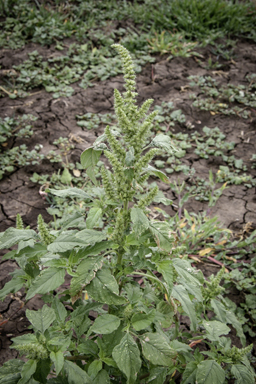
(94, 368)
(65, 242)
(10, 372)
(156, 349)
(164, 142)
(105, 324)
(139, 220)
(210, 372)
(153, 171)
(157, 375)
(42, 371)
(28, 370)
(75, 374)
(189, 375)
(59, 309)
(12, 286)
(13, 236)
(58, 360)
(42, 318)
(127, 357)
(66, 176)
(184, 269)
(48, 280)
(86, 271)
(243, 374)
(180, 293)
(165, 267)
(104, 288)
(90, 236)
(162, 234)
(80, 320)
(70, 192)
(93, 217)
(88, 347)
(108, 342)
(215, 329)
(90, 157)
(102, 378)
(142, 320)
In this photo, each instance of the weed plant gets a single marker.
(131, 282)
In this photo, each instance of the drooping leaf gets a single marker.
(127, 357)
(102, 378)
(165, 267)
(153, 171)
(104, 288)
(157, 375)
(142, 320)
(58, 360)
(10, 372)
(70, 192)
(243, 374)
(13, 236)
(59, 309)
(42, 318)
(48, 280)
(162, 234)
(12, 286)
(156, 349)
(93, 217)
(65, 242)
(90, 157)
(94, 368)
(139, 220)
(75, 374)
(90, 236)
(184, 269)
(209, 372)
(28, 370)
(189, 375)
(180, 293)
(215, 329)
(105, 324)
(85, 272)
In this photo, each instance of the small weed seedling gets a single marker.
(131, 283)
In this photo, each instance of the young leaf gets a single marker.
(66, 176)
(180, 293)
(28, 370)
(13, 236)
(164, 142)
(142, 320)
(42, 318)
(156, 349)
(58, 360)
(140, 221)
(75, 374)
(209, 372)
(48, 280)
(105, 324)
(127, 357)
(104, 288)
